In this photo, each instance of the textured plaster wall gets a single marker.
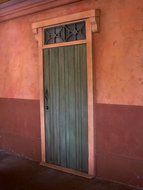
(118, 81)
(118, 52)
(18, 61)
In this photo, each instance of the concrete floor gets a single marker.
(17, 173)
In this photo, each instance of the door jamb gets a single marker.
(91, 18)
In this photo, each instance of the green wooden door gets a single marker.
(65, 86)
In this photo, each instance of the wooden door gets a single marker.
(66, 106)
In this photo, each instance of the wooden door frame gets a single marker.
(91, 19)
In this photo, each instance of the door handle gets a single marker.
(46, 99)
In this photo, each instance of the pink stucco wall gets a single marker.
(118, 81)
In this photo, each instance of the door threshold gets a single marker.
(67, 170)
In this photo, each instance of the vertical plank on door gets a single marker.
(65, 76)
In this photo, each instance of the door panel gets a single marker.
(65, 72)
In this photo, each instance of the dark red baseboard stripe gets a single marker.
(20, 127)
(119, 143)
(119, 137)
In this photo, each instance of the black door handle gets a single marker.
(46, 99)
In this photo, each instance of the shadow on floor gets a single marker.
(17, 173)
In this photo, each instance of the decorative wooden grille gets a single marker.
(65, 33)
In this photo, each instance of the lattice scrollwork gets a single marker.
(65, 33)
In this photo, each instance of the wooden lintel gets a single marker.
(93, 15)
(64, 19)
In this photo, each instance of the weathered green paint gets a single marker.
(66, 119)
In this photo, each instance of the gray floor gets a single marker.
(17, 173)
